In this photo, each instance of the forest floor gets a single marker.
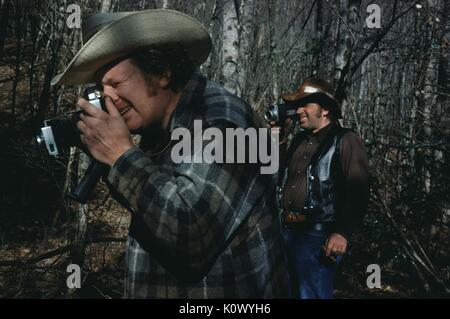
(26, 273)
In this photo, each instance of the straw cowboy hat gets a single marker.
(315, 90)
(109, 36)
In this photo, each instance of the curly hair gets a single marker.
(160, 60)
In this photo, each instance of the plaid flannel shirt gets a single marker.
(200, 230)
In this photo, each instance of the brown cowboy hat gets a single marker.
(110, 36)
(315, 90)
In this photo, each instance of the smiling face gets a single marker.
(313, 117)
(143, 100)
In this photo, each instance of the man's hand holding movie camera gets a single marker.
(283, 131)
(104, 133)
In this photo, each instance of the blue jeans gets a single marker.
(310, 276)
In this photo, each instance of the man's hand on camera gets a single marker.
(105, 134)
(283, 131)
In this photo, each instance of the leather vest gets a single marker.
(324, 184)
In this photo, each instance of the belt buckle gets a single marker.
(294, 218)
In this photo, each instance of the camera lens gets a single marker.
(271, 114)
(268, 116)
(40, 139)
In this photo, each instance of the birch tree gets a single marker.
(230, 47)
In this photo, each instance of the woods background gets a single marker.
(393, 82)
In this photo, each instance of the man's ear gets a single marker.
(325, 112)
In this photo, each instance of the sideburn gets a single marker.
(318, 113)
(152, 84)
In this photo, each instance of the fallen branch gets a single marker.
(56, 252)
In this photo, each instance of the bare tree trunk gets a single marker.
(78, 252)
(36, 33)
(246, 19)
(106, 5)
(20, 29)
(54, 44)
(256, 96)
(208, 67)
(166, 4)
(271, 7)
(346, 40)
(432, 101)
(429, 102)
(318, 28)
(443, 85)
(230, 47)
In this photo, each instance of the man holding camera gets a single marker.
(323, 189)
(198, 230)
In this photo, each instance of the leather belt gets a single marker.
(297, 220)
(293, 217)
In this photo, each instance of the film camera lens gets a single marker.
(279, 113)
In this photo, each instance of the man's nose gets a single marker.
(109, 91)
(300, 110)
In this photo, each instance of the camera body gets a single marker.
(281, 112)
(61, 131)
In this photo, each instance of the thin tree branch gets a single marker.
(56, 252)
